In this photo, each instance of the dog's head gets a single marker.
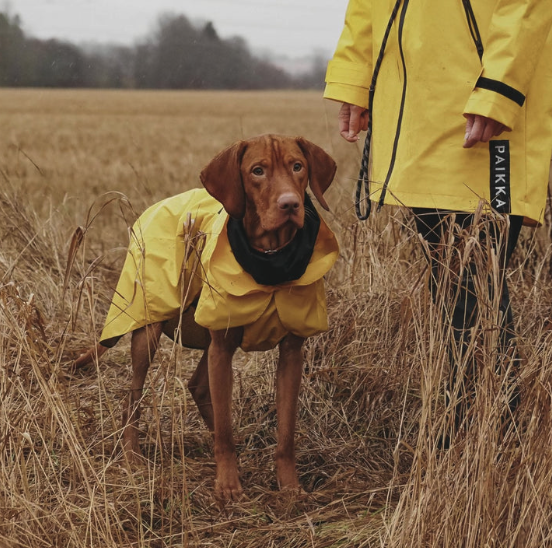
(266, 177)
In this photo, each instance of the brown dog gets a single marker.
(261, 184)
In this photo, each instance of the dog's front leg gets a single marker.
(198, 387)
(288, 383)
(221, 350)
(145, 341)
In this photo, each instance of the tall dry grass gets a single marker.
(372, 404)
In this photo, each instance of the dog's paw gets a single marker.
(228, 489)
(135, 458)
(131, 448)
(292, 495)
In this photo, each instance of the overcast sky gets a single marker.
(286, 27)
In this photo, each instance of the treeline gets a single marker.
(178, 55)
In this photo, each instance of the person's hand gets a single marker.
(352, 120)
(481, 129)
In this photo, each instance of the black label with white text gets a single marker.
(500, 176)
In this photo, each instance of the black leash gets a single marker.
(363, 183)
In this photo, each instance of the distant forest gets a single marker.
(178, 55)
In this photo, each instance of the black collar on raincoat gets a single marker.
(286, 264)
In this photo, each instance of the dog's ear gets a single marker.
(222, 179)
(321, 169)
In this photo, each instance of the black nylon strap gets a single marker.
(502, 89)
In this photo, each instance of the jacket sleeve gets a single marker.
(517, 36)
(350, 71)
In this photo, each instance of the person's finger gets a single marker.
(352, 119)
(364, 119)
(500, 128)
(474, 130)
(469, 125)
(343, 118)
(354, 122)
(488, 131)
(481, 129)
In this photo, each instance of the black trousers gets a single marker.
(434, 226)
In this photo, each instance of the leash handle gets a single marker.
(363, 183)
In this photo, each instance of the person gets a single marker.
(457, 104)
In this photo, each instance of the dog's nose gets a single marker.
(289, 202)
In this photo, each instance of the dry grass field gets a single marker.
(372, 402)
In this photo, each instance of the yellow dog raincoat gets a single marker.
(180, 257)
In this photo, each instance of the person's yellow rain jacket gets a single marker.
(163, 276)
(443, 78)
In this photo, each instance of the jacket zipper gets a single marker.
(474, 29)
(363, 183)
(401, 108)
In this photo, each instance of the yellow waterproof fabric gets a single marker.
(158, 272)
(432, 169)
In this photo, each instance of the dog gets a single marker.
(239, 263)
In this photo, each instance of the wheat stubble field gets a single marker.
(86, 163)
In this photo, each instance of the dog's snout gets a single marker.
(289, 202)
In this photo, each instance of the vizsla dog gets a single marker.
(256, 188)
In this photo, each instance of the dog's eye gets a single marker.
(297, 166)
(257, 171)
